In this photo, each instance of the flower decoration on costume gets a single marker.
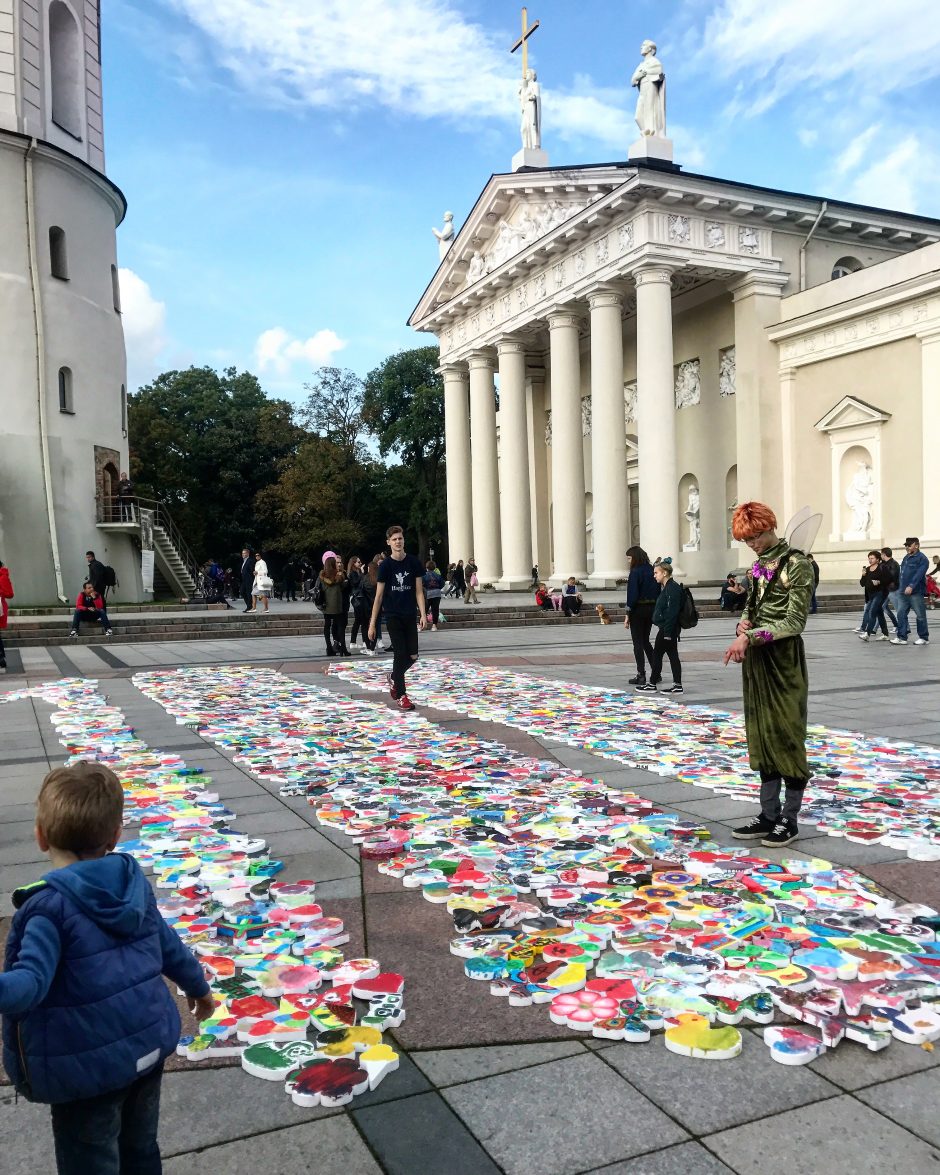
(764, 571)
(762, 636)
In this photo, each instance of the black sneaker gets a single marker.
(672, 689)
(646, 687)
(783, 834)
(638, 680)
(755, 829)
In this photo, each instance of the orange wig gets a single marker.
(751, 519)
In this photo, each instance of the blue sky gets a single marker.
(285, 160)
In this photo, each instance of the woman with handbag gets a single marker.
(6, 593)
(262, 585)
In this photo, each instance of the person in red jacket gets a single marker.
(6, 593)
(90, 606)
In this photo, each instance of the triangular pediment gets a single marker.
(851, 412)
(514, 213)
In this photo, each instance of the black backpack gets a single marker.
(319, 594)
(110, 577)
(688, 613)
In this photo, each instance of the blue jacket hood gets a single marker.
(111, 890)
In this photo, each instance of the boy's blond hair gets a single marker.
(80, 807)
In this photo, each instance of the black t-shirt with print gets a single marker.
(399, 577)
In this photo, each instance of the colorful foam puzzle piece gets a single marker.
(692, 1036)
(327, 1082)
(792, 1046)
(273, 1061)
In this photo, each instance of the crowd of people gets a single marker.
(893, 590)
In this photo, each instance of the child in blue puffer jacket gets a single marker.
(87, 1018)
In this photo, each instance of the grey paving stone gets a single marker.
(910, 1101)
(330, 1147)
(264, 823)
(205, 1107)
(450, 1066)
(852, 1066)
(718, 808)
(839, 1137)
(321, 864)
(706, 1096)
(422, 1135)
(404, 1082)
(845, 852)
(565, 1116)
(688, 1158)
(26, 1135)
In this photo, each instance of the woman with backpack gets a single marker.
(355, 574)
(433, 587)
(328, 597)
(666, 618)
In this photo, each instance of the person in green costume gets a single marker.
(769, 646)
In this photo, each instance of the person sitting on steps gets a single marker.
(89, 605)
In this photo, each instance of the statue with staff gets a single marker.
(530, 93)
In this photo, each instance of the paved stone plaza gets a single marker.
(484, 1087)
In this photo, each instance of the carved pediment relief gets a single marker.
(850, 413)
(522, 224)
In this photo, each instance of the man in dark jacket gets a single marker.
(96, 575)
(889, 585)
(666, 617)
(247, 576)
(912, 593)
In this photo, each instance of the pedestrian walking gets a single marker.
(289, 576)
(334, 607)
(769, 647)
(262, 585)
(912, 593)
(666, 618)
(248, 577)
(433, 589)
(472, 582)
(460, 579)
(6, 594)
(813, 606)
(354, 577)
(97, 574)
(891, 577)
(89, 605)
(642, 593)
(872, 580)
(367, 586)
(400, 592)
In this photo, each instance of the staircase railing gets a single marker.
(128, 509)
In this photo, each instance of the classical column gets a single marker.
(757, 306)
(457, 445)
(515, 512)
(788, 441)
(538, 469)
(656, 415)
(484, 468)
(567, 452)
(608, 441)
(929, 431)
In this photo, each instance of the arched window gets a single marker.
(123, 410)
(844, 266)
(66, 402)
(66, 69)
(58, 253)
(115, 289)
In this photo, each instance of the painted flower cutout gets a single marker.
(582, 1009)
(327, 1082)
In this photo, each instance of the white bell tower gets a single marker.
(63, 401)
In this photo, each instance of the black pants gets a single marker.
(334, 632)
(570, 605)
(3, 654)
(770, 806)
(670, 647)
(641, 625)
(403, 633)
(246, 595)
(434, 609)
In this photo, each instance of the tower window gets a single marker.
(66, 69)
(844, 266)
(115, 289)
(58, 253)
(66, 402)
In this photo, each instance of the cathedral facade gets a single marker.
(629, 350)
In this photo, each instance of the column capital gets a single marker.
(510, 345)
(758, 281)
(561, 319)
(454, 371)
(481, 360)
(603, 297)
(650, 275)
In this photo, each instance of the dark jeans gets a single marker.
(91, 614)
(669, 647)
(641, 625)
(403, 633)
(114, 1134)
(334, 632)
(246, 595)
(875, 614)
(917, 604)
(434, 609)
(3, 654)
(770, 806)
(570, 605)
(127, 510)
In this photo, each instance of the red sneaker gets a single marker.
(392, 689)
(405, 703)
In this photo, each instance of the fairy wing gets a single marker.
(802, 529)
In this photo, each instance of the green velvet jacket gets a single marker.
(777, 605)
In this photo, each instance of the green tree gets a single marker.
(206, 443)
(403, 406)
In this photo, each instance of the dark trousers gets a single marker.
(91, 614)
(570, 605)
(641, 625)
(874, 614)
(114, 1134)
(246, 594)
(668, 646)
(770, 807)
(3, 654)
(334, 632)
(434, 609)
(403, 633)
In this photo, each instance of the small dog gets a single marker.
(602, 614)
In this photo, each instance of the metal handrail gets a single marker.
(128, 510)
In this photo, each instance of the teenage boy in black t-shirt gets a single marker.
(400, 594)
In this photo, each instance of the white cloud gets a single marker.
(856, 150)
(144, 321)
(276, 350)
(804, 47)
(420, 58)
(898, 179)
